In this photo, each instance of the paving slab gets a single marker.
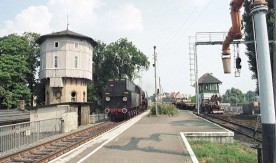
(150, 139)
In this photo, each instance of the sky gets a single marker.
(166, 24)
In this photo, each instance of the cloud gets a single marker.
(34, 19)
(89, 17)
(81, 14)
(127, 18)
(51, 17)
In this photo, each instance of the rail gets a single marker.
(248, 131)
(17, 135)
(21, 134)
(49, 150)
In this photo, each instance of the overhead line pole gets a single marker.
(155, 81)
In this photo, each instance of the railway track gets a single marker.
(247, 131)
(52, 149)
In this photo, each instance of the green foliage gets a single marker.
(39, 92)
(13, 83)
(127, 59)
(250, 95)
(233, 96)
(210, 152)
(164, 109)
(23, 46)
(152, 98)
(32, 57)
(193, 99)
(118, 59)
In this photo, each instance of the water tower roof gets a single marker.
(66, 33)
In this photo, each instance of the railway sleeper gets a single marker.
(40, 153)
(70, 140)
(23, 160)
(60, 145)
(64, 144)
(50, 150)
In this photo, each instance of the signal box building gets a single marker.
(65, 66)
(208, 86)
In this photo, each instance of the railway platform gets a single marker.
(146, 139)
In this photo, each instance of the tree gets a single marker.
(249, 95)
(25, 46)
(193, 99)
(118, 59)
(13, 83)
(128, 60)
(33, 62)
(249, 36)
(233, 96)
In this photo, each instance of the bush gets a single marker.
(164, 109)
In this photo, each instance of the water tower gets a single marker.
(65, 66)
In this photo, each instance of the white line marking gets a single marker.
(191, 152)
(109, 136)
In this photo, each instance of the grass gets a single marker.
(208, 152)
(164, 109)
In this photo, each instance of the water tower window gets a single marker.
(55, 61)
(76, 44)
(76, 61)
(73, 96)
(56, 44)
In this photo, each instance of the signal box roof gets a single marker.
(66, 33)
(208, 78)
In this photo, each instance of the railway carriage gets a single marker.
(123, 99)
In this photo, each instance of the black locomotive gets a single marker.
(123, 99)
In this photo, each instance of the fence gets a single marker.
(235, 109)
(17, 135)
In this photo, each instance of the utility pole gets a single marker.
(267, 107)
(155, 84)
(160, 91)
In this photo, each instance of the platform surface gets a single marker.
(143, 140)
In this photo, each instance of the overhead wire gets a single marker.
(173, 39)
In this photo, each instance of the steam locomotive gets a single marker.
(123, 99)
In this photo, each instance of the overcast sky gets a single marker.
(166, 24)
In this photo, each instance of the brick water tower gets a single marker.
(65, 66)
